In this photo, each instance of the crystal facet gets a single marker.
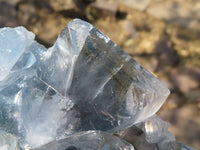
(152, 134)
(83, 82)
(14, 42)
(89, 140)
(109, 89)
(33, 111)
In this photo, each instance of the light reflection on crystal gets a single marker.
(13, 44)
(83, 82)
(90, 140)
(101, 79)
(152, 134)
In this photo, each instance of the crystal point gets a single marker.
(110, 90)
(13, 44)
(83, 82)
(58, 64)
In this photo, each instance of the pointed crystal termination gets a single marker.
(29, 108)
(19, 54)
(57, 66)
(109, 89)
(13, 43)
(84, 82)
(89, 140)
(152, 134)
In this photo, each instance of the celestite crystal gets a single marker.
(13, 44)
(152, 134)
(83, 82)
(110, 90)
(89, 140)
(33, 111)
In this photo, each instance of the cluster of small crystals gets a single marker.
(76, 94)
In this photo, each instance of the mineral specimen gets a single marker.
(110, 90)
(83, 82)
(89, 140)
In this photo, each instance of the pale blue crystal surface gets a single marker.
(83, 82)
(88, 140)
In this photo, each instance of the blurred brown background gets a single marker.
(162, 35)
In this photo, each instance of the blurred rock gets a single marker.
(136, 4)
(114, 29)
(166, 53)
(172, 102)
(186, 43)
(12, 2)
(71, 8)
(144, 31)
(186, 79)
(194, 95)
(102, 9)
(59, 5)
(28, 13)
(184, 124)
(43, 22)
(183, 13)
(88, 1)
(8, 15)
(129, 27)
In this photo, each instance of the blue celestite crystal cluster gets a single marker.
(74, 95)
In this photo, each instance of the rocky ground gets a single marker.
(162, 35)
